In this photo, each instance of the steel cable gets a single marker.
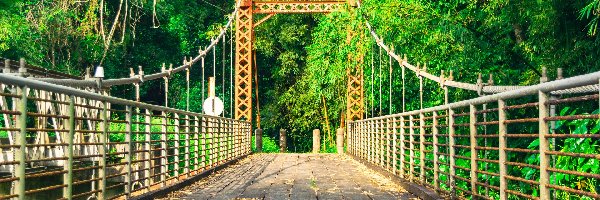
(462, 85)
(137, 78)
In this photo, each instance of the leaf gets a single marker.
(560, 177)
(596, 127)
(581, 126)
(564, 111)
(534, 145)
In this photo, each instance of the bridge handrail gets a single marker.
(41, 85)
(518, 137)
(88, 138)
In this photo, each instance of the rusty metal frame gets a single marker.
(243, 63)
(355, 91)
(244, 41)
(297, 6)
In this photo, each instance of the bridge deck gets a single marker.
(294, 176)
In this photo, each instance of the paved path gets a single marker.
(294, 176)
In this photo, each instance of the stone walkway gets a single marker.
(294, 176)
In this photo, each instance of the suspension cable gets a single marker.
(420, 87)
(380, 84)
(130, 80)
(372, 84)
(166, 80)
(203, 97)
(223, 74)
(390, 89)
(403, 88)
(187, 81)
(462, 85)
(231, 74)
(214, 64)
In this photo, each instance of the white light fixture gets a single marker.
(99, 72)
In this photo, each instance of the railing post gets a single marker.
(187, 148)
(20, 153)
(186, 164)
(229, 139)
(258, 139)
(219, 138)
(282, 141)
(374, 150)
(316, 141)
(389, 143)
(357, 126)
(348, 134)
(544, 146)
(214, 146)
(147, 151)
(202, 142)
(360, 140)
(249, 137)
(209, 140)
(436, 167)
(473, 144)
(395, 146)
(248, 134)
(411, 133)
(358, 137)
(236, 138)
(422, 147)
(197, 153)
(376, 141)
(220, 132)
(129, 140)
(373, 141)
(176, 144)
(223, 139)
(364, 138)
(402, 144)
(217, 141)
(102, 150)
(370, 144)
(381, 132)
(502, 143)
(340, 140)
(451, 143)
(68, 177)
(163, 151)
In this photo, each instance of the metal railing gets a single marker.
(61, 142)
(521, 144)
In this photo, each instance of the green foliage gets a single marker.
(303, 60)
(3, 133)
(577, 145)
(269, 145)
(512, 40)
(67, 36)
(592, 10)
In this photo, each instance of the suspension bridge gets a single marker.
(66, 137)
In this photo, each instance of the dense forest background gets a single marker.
(303, 59)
